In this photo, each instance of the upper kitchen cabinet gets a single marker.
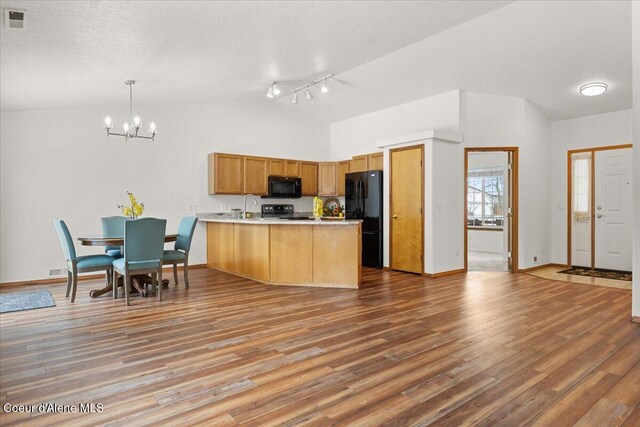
(342, 169)
(292, 168)
(309, 175)
(376, 161)
(327, 179)
(277, 167)
(256, 172)
(225, 173)
(359, 163)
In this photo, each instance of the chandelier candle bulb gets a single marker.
(130, 130)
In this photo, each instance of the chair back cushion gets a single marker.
(185, 232)
(66, 242)
(113, 226)
(144, 239)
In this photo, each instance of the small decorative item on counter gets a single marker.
(135, 210)
(333, 208)
(317, 207)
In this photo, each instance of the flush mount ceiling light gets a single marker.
(273, 90)
(130, 130)
(593, 89)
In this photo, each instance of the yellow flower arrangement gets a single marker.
(135, 210)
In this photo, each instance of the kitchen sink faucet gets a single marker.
(244, 211)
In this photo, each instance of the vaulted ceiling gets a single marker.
(77, 54)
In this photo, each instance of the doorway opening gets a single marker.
(599, 211)
(491, 209)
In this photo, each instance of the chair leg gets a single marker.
(154, 282)
(114, 283)
(185, 266)
(127, 283)
(69, 280)
(160, 284)
(74, 285)
(175, 273)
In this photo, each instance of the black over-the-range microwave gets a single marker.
(281, 187)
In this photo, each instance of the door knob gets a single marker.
(599, 215)
(395, 216)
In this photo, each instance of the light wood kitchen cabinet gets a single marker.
(327, 177)
(342, 169)
(220, 249)
(359, 163)
(309, 175)
(376, 161)
(256, 171)
(251, 251)
(225, 173)
(292, 168)
(277, 167)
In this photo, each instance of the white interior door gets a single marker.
(613, 209)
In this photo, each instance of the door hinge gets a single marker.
(510, 166)
(509, 254)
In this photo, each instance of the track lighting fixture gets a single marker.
(273, 90)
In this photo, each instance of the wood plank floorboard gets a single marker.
(483, 348)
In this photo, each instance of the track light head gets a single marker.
(276, 89)
(307, 94)
(295, 98)
(324, 88)
(270, 91)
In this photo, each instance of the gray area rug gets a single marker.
(25, 301)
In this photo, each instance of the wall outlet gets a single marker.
(535, 258)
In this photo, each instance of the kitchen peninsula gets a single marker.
(284, 252)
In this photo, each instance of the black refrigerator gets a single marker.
(363, 200)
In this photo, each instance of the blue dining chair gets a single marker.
(180, 252)
(143, 247)
(79, 264)
(113, 226)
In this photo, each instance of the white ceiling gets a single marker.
(77, 53)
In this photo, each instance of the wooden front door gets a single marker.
(407, 202)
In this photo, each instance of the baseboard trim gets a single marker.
(539, 267)
(443, 273)
(81, 278)
(635, 319)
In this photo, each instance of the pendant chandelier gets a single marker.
(130, 129)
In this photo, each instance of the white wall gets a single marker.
(583, 132)
(360, 135)
(488, 121)
(636, 158)
(60, 163)
(483, 120)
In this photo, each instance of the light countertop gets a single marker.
(275, 221)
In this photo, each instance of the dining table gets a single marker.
(138, 281)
